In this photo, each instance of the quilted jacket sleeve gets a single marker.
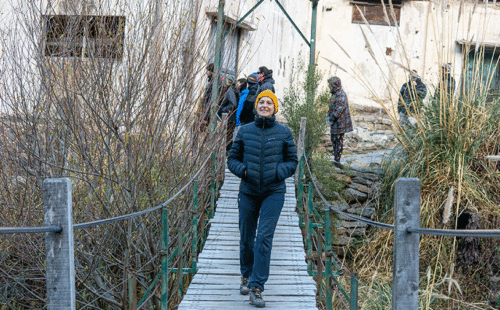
(286, 168)
(235, 158)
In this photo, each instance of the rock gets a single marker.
(343, 217)
(353, 195)
(349, 224)
(360, 187)
(345, 178)
(369, 176)
(361, 180)
(362, 211)
(356, 232)
(340, 205)
(342, 240)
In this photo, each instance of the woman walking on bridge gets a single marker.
(263, 156)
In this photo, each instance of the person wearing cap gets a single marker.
(266, 80)
(339, 117)
(241, 88)
(205, 114)
(411, 95)
(446, 82)
(247, 114)
(263, 156)
(228, 105)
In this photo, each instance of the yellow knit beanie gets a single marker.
(270, 94)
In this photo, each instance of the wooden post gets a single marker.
(309, 228)
(132, 291)
(222, 150)
(60, 264)
(406, 251)
(301, 146)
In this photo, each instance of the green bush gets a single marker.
(302, 100)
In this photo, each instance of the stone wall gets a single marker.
(372, 131)
(358, 198)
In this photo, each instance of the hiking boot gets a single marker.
(337, 164)
(256, 298)
(244, 289)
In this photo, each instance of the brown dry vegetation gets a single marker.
(446, 150)
(124, 130)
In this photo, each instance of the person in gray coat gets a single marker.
(339, 117)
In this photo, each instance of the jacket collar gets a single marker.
(265, 122)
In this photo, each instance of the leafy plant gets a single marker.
(302, 100)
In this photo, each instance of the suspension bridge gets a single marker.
(216, 283)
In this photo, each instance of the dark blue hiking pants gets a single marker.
(255, 252)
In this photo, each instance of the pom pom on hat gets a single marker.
(270, 94)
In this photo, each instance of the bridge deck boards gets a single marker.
(216, 284)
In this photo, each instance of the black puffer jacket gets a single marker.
(266, 151)
(267, 83)
(248, 115)
(229, 105)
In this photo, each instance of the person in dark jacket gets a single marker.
(248, 112)
(339, 117)
(446, 82)
(263, 156)
(205, 117)
(241, 87)
(412, 94)
(229, 105)
(266, 80)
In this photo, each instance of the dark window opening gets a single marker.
(230, 48)
(482, 74)
(373, 11)
(84, 35)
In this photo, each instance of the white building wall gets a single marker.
(274, 43)
(426, 37)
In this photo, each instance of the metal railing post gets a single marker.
(354, 291)
(180, 274)
(164, 260)
(59, 247)
(406, 251)
(328, 259)
(194, 246)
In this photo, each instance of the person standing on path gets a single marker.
(248, 112)
(241, 87)
(412, 94)
(266, 80)
(263, 156)
(229, 105)
(205, 107)
(339, 117)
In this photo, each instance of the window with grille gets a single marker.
(84, 36)
(373, 11)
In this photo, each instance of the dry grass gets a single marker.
(445, 149)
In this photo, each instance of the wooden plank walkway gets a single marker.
(216, 284)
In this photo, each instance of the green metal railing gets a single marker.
(177, 262)
(321, 260)
(193, 239)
